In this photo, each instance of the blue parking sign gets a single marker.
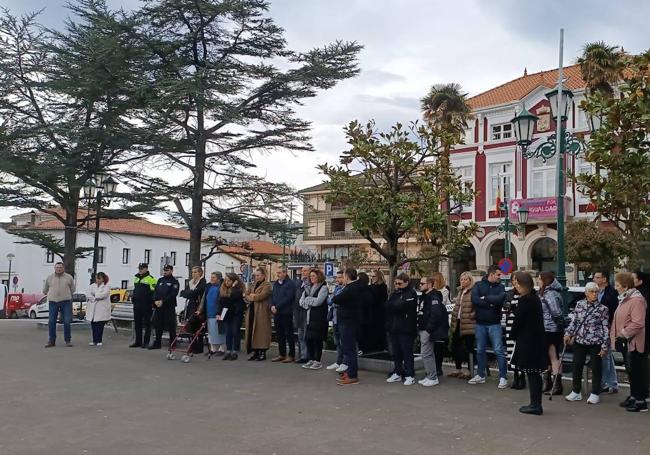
(329, 269)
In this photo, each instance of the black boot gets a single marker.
(156, 344)
(254, 356)
(261, 356)
(548, 382)
(557, 385)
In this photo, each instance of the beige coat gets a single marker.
(98, 307)
(629, 322)
(258, 324)
(467, 313)
(59, 288)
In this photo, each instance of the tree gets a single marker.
(224, 87)
(390, 184)
(601, 67)
(593, 247)
(620, 148)
(67, 100)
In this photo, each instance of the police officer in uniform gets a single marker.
(143, 288)
(164, 316)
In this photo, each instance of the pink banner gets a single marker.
(538, 208)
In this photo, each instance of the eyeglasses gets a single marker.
(423, 282)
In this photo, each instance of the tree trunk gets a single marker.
(196, 225)
(70, 238)
(392, 264)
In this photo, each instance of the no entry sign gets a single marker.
(506, 265)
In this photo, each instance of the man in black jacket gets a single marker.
(433, 326)
(348, 318)
(164, 316)
(401, 311)
(607, 296)
(488, 298)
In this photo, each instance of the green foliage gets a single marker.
(620, 150)
(601, 66)
(593, 247)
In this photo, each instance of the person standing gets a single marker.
(231, 297)
(463, 321)
(430, 327)
(315, 302)
(348, 316)
(607, 296)
(441, 339)
(284, 291)
(165, 295)
(628, 333)
(194, 291)
(210, 305)
(588, 333)
(401, 314)
(549, 293)
(98, 308)
(488, 297)
(258, 318)
(302, 284)
(59, 288)
(143, 289)
(339, 365)
(379, 291)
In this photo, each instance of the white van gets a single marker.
(3, 297)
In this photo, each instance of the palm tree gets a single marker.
(601, 66)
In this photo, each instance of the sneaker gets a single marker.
(91, 344)
(593, 399)
(573, 397)
(50, 344)
(394, 378)
(333, 366)
(288, 360)
(426, 382)
(347, 381)
(68, 344)
(638, 406)
(100, 344)
(308, 365)
(342, 368)
(629, 401)
(410, 380)
(503, 383)
(609, 390)
(476, 380)
(316, 366)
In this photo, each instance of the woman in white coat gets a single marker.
(98, 308)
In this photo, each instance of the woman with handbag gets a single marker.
(550, 296)
(315, 302)
(588, 332)
(628, 332)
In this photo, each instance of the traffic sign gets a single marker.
(15, 280)
(506, 265)
(245, 272)
(329, 269)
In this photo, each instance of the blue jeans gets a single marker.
(348, 338)
(495, 333)
(609, 379)
(65, 306)
(339, 345)
(302, 344)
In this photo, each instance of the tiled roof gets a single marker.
(126, 226)
(321, 187)
(254, 247)
(517, 89)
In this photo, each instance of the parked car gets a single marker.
(19, 304)
(3, 299)
(120, 295)
(42, 310)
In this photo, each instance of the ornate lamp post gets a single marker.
(507, 227)
(10, 258)
(101, 189)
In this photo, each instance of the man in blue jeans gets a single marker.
(488, 297)
(607, 296)
(348, 316)
(339, 365)
(59, 288)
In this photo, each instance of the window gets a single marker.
(187, 283)
(542, 177)
(338, 225)
(466, 174)
(500, 183)
(125, 284)
(317, 203)
(101, 252)
(187, 259)
(172, 258)
(317, 228)
(503, 131)
(126, 253)
(147, 256)
(49, 257)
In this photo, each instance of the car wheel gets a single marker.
(14, 315)
(32, 315)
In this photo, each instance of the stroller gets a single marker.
(194, 330)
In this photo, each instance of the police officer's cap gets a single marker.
(168, 267)
(143, 265)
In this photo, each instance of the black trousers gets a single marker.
(403, 354)
(535, 389)
(638, 375)
(97, 330)
(462, 346)
(142, 319)
(284, 332)
(439, 351)
(164, 319)
(580, 352)
(314, 349)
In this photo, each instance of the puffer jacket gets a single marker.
(551, 305)
(463, 305)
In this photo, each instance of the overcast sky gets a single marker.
(413, 44)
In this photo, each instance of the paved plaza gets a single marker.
(115, 400)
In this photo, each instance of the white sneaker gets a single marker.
(308, 365)
(476, 380)
(573, 397)
(91, 344)
(593, 399)
(100, 344)
(503, 383)
(342, 368)
(333, 366)
(426, 382)
(410, 380)
(316, 366)
(394, 378)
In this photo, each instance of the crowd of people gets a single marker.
(366, 318)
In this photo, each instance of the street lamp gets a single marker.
(10, 257)
(508, 227)
(100, 188)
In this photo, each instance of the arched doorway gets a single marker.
(464, 261)
(544, 255)
(497, 252)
